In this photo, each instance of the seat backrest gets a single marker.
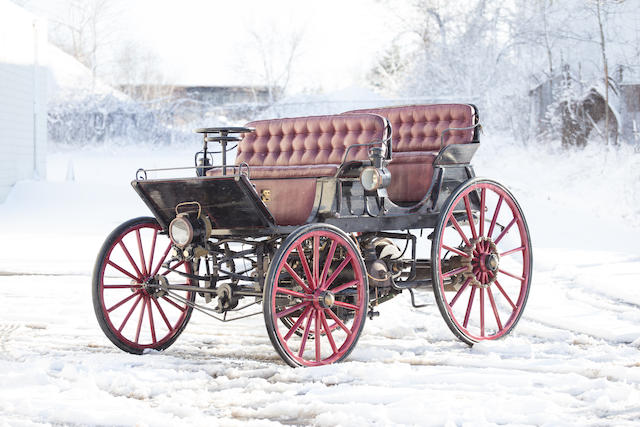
(311, 140)
(419, 127)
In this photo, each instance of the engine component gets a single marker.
(226, 299)
(383, 261)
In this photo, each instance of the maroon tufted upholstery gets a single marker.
(416, 131)
(318, 140)
(418, 127)
(285, 156)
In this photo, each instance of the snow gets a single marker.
(573, 359)
(69, 78)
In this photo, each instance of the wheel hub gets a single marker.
(483, 262)
(154, 286)
(326, 299)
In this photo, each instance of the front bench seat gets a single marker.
(287, 156)
(416, 131)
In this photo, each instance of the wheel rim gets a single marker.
(136, 312)
(484, 278)
(318, 299)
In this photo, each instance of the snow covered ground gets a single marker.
(574, 358)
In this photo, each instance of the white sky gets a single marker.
(209, 42)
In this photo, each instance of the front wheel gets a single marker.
(481, 261)
(132, 310)
(316, 296)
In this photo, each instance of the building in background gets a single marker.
(23, 88)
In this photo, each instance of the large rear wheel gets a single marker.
(316, 296)
(481, 261)
(134, 314)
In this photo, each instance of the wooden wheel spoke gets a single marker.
(460, 291)
(122, 286)
(162, 314)
(142, 307)
(167, 271)
(338, 270)
(469, 305)
(495, 309)
(130, 258)
(291, 309)
(512, 251)
(344, 286)
(292, 293)
(505, 294)
(328, 332)
(346, 305)
(126, 318)
(161, 260)
(339, 322)
(153, 249)
(456, 251)
(129, 298)
(482, 207)
(456, 271)
(316, 261)
(151, 325)
(306, 333)
(297, 278)
(459, 229)
(495, 216)
(305, 264)
(327, 263)
(511, 275)
(173, 303)
(318, 336)
(482, 312)
(505, 231)
(467, 207)
(141, 253)
(123, 271)
(296, 325)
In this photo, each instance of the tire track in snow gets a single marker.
(6, 332)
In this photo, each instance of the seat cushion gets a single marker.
(315, 140)
(419, 127)
(411, 175)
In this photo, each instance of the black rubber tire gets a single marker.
(435, 260)
(270, 278)
(96, 295)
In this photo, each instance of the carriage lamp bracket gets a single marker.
(183, 204)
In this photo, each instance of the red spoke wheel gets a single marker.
(481, 261)
(316, 296)
(133, 312)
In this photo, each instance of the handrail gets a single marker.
(243, 169)
(450, 129)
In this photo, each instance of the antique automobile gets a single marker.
(317, 222)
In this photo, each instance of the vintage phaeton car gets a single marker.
(319, 221)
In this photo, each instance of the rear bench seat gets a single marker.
(416, 131)
(286, 156)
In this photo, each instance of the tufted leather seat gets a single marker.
(286, 156)
(416, 141)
